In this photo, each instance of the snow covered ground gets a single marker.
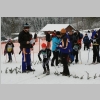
(29, 78)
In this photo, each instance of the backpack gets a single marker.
(9, 48)
(86, 39)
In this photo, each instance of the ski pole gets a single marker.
(80, 56)
(33, 54)
(88, 56)
(56, 70)
(6, 58)
(15, 58)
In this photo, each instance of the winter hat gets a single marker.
(57, 33)
(26, 25)
(63, 31)
(9, 40)
(43, 45)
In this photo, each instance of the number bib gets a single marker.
(44, 54)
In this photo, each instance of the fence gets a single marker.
(37, 46)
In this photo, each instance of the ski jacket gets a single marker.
(77, 37)
(46, 54)
(23, 37)
(95, 41)
(65, 45)
(86, 40)
(99, 34)
(89, 35)
(55, 43)
(93, 34)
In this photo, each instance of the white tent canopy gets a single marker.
(52, 27)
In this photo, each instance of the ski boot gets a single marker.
(48, 72)
(44, 72)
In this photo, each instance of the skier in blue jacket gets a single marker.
(55, 42)
(86, 42)
(93, 33)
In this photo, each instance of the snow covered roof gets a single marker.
(41, 34)
(16, 38)
(14, 33)
(57, 27)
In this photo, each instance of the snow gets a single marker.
(29, 78)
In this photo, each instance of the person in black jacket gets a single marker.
(96, 43)
(46, 57)
(9, 49)
(24, 40)
(48, 39)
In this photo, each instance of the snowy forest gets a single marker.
(15, 24)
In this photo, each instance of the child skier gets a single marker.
(46, 57)
(9, 49)
(86, 41)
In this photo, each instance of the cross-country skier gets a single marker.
(86, 41)
(46, 57)
(55, 42)
(64, 49)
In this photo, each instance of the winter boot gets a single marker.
(44, 72)
(11, 60)
(48, 72)
(93, 63)
(61, 72)
(52, 64)
(8, 60)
